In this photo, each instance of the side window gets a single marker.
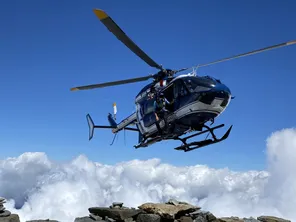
(147, 107)
(181, 94)
(180, 89)
(148, 114)
(149, 119)
(190, 84)
(142, 110)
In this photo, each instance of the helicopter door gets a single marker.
(181, 94)
(169, 95)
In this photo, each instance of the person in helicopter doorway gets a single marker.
(161, 111)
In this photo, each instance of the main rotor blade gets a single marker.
(120, 82)
(251, 52)
(119, 33)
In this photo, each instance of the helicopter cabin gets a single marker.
(183, 90)
(176, 89)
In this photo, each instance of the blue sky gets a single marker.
(47, 47)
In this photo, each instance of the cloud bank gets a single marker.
(37, 188)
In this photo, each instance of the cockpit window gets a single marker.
(191, 85)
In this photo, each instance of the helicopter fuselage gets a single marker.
(197, 100)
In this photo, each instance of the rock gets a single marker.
(44, 220)
(10, 218)
(237, 219)
(271, 219)
(200, 219)
(173, 202)
(109, 219)
(168, 211)
(148, 218)
(171, 211)
(185, 219)
(208, 216)
(251, 219)
(95, 217)
(176, 202)
(5, 213)
(114, 213)
(231, 219)
(83, 219)
(117, 204)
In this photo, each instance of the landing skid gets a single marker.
(198, 144)
(148, 142)
(189, 146)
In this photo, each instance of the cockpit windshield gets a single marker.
(198, 84)
(212, 78)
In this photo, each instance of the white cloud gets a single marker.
(37, 188)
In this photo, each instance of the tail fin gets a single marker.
(114, 110)
(91, 126)
(111, 120)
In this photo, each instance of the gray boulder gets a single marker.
(148, 218)
(83, 219)
(114, 213)
(169, 211)
(10, 218)
(5, 213)
(271, 219)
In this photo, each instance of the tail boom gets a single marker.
(113, 125)
(124, 123)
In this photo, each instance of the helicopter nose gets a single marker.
(222, 93)
(219, 96)
(222, 88)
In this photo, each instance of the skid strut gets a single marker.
(198, 144)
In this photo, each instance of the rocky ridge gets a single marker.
(171, 211)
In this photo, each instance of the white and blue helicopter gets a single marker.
(195, 100)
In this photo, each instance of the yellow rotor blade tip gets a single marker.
(74, 89)
(292, 42)
(100, 14)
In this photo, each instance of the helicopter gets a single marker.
(193, 101)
